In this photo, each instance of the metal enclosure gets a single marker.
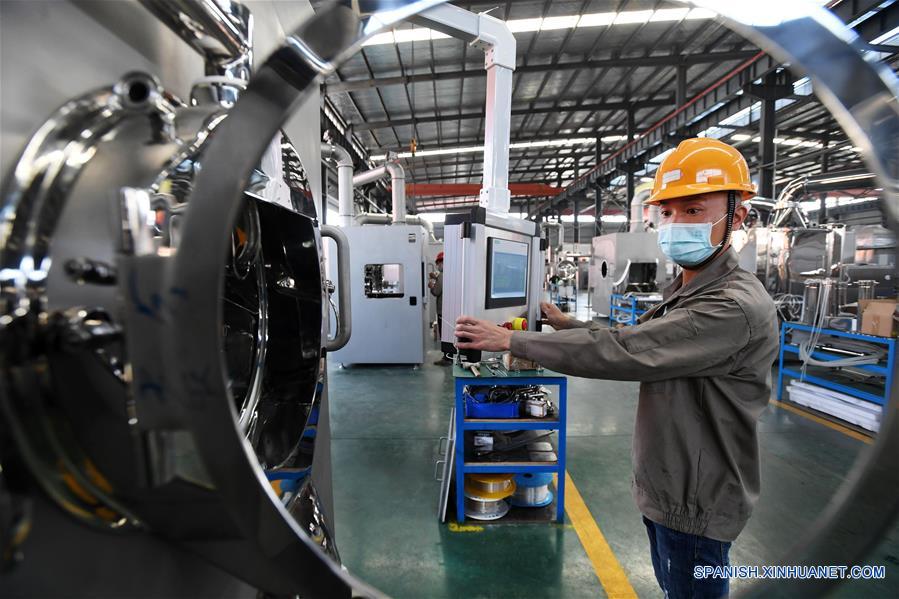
(389, 319)
(625, 262)
(784, 258)
(465, 270)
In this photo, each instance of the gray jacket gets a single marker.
(704, 358)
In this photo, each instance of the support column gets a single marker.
(629, 176)
(597, 199)
(577, 204)
(776, 85)
(825, 166)
(681, 85)
(767, 156)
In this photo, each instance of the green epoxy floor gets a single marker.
(385, 426)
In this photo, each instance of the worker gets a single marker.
(703, 357)
(435, 284)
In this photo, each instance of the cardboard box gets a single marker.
(878, 317)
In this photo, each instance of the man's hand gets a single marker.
(482, 334)
(554, 316)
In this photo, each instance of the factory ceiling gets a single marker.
(591, 75)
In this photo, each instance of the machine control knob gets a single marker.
(516, 324)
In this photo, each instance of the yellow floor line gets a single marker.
(612, 577)
(823, 421)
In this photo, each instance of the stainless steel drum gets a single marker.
(161, 347)
(867, 290)
(810, 296)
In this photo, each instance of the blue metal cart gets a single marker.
(881, 369)
(546, 378)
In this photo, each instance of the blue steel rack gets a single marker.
(625, 312)
(878, 369)
(546, 378)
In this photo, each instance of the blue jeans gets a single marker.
(675, 554)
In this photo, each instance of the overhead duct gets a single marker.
(344, 163)
(397, 183)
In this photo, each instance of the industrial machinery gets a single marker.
(787, 251)
(566, 267)
(386, 272)
(493, 269)
(493, 263)
(563, 285)
(389, 295)
(164, 321)
(629, 262)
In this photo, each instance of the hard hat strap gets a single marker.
(729, 227)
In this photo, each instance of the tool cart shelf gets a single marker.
(546, 378)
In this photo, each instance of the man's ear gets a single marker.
(740, 214)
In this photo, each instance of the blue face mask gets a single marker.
(688, 244)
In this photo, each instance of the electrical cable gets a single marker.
(807, 347)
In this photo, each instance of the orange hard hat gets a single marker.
(701, 165)
(439, 257)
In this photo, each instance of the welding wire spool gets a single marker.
(490, 487)
(478, 509)
(532, 490)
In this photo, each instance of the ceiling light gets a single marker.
(566, 22)
(524, 25)
(792, 142)
(669, 14)
(633, 17)
(597, 19)
(420, 34)
(701, 13)
(380, 38)
(614, 218)
(739, 137)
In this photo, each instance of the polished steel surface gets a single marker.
(344, 306)
(221, 31)
(175, 409)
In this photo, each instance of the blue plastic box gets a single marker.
(478, 409)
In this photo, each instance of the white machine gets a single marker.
(389, 295)
(493, 269)
(627, 262)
